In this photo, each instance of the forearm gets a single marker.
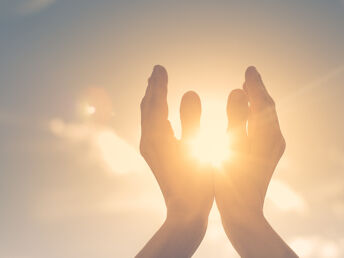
(254, 237)
(177, 237)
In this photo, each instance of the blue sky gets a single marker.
(61, 192)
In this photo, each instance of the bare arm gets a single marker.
(254, 237)
(177, 237)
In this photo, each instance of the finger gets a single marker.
(145, 108)
(258, 96)
(263, 125)
(154, 110)
(158, 84)
(190, 114)
(155, 128)
(262, 106)
(237, 112)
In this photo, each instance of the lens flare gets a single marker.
(210, 147)
(211, 144)
(90, 110)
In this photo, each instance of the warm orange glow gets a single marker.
(90, 110)
(96, 104)
(211, 144)
(117, 154)
(213, 150)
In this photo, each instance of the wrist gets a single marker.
(238, 222)
(189, 227)
(186, 213)
(179, 236)
(252, 236)
(199, 220)
(248, 218)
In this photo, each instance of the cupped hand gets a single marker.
(256, 147)
(187, 186)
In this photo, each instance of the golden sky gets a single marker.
(72, 74)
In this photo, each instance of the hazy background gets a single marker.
(72, 73)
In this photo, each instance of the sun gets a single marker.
(212, 144)
(210, 147)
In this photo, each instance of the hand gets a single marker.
(186, 186)
(241, 186)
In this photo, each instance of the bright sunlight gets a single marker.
(211, 145)
(214, 149)
(90, 110)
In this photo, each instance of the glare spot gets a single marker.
(211, 145)
(90, 110)
(211, 150)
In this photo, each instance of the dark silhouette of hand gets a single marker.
(239, 185)
(256, 146)
(187, 186)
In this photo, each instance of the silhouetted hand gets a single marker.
(241, 186)
(186, 186)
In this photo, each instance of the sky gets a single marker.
(72, 74)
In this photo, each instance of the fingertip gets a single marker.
(237, 99)
(157, 83)
(190, 106)
(158, 76)
(160, 72)
(190, 113)
(251, 73)
(191, 96)
(237, 95)
(251, 68)
(256, 90)
(159, 68)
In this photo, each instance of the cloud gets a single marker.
(33, 6)
(315, 246)
(120, 157)
(285, 198)
(71, 131)
(78, 200)
(114, 152)
(118, 193)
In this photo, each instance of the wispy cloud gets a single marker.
(285, 198)
(115, 153)
(316, 246)
(33, 6)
